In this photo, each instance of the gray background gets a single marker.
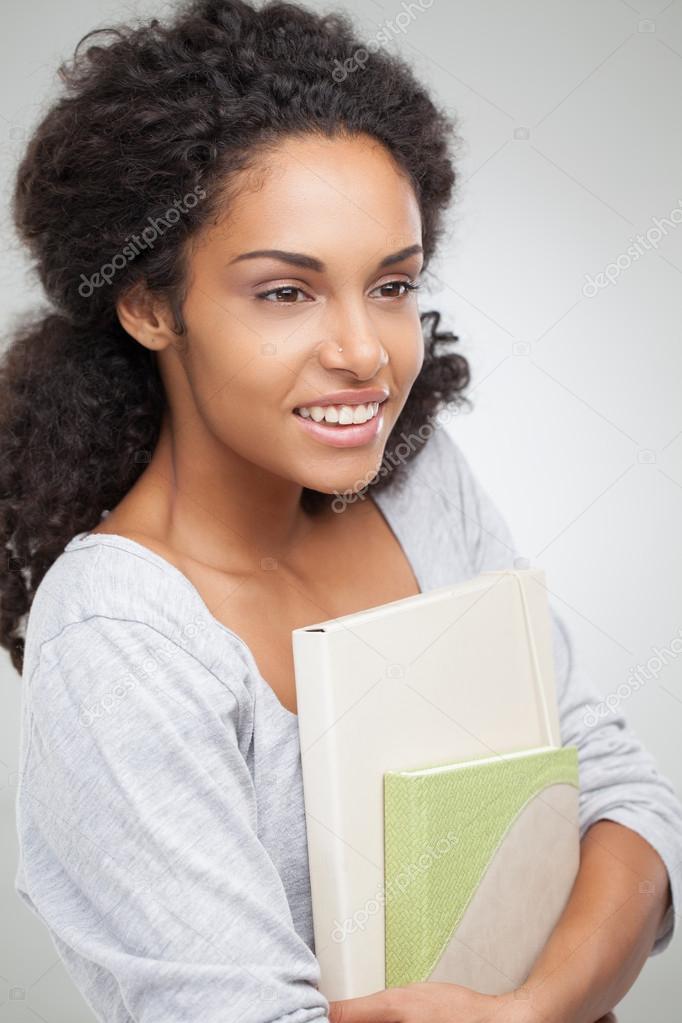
(571, 117)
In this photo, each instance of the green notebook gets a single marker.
(479, 859)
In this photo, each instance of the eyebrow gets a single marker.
(311, 263)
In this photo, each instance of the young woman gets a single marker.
(190, 472)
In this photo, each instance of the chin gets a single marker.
(356, 475)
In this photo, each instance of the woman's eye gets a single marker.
(286, 289)
(408, 285)
(285, 294)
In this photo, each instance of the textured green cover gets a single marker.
(440, 833)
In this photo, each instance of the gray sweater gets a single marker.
(160, 806)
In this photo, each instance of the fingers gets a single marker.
(378, 1007)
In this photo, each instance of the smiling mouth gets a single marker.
(340, 415)
(342, 434)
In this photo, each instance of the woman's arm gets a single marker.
(138, 820)
(620, 781)
(606, 932)
(595, 952)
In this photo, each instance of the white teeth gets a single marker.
(342, 414)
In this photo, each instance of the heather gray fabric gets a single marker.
(160, 808)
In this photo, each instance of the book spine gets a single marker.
(329, 879)
(404, 846)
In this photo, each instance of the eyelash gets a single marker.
(410, 285)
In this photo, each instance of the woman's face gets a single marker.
(264, 330)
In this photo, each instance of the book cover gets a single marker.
(480, 858)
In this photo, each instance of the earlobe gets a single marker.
(137, 314)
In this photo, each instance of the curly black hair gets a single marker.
(151, 112)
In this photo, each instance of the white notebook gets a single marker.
(433, 853)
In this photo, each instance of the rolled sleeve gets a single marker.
(619, 779)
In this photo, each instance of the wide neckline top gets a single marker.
(381, 499)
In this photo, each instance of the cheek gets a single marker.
(247, 399)
(419, 355)
(407, 358)
(225, 365)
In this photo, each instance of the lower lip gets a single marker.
(349, 436)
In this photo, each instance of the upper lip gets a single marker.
(352, 397)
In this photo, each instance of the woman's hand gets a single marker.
(432, 1002)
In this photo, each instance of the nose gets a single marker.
(356, 349)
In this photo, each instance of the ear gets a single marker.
(146, 317)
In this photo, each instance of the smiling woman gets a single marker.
(353, 322)
(240, 243)
(232, 241)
